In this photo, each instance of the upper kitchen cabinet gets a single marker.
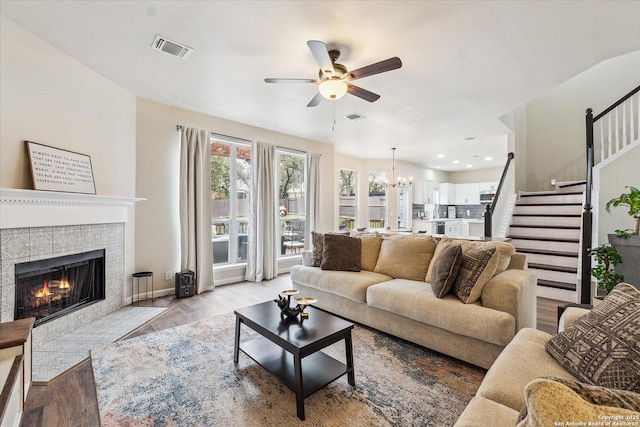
(488, 186)
(422, 192)
(427, 191)
(467, 194)
(447, 193)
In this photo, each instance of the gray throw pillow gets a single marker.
(341, 253)
(603, 346)
(445, 270)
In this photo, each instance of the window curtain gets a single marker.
(262, 257)
(195, 207)
(312, 203)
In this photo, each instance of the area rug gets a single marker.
(185, 376)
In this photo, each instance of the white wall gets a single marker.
(158, 152)
(50, 98)
(479, 175)
(555, 122)
(612, 181)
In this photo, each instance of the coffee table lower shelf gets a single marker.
(318, 369)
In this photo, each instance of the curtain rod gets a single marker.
(179, 128)
(219, 135)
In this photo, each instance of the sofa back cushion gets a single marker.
(405, 257)
(371, 242)
(341, 253)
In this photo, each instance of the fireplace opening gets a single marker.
(51, 288)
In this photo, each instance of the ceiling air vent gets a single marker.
(354, 116)
(172, 48)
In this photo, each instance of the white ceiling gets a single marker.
(465, 64)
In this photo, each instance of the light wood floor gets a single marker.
(70, 400)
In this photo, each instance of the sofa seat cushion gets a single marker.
(523, 360)
(347, 284)
(485, 412)
(417, 301)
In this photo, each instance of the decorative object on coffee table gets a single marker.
(284, 303)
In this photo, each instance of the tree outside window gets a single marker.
(377, 199)
(348, 194)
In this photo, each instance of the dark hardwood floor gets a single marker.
(70, 400)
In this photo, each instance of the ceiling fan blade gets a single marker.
(362, 93)
(291, 80)
(321, 54)
(315, 100)
(377, 68)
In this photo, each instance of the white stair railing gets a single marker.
(618, 128)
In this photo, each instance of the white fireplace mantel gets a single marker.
(30, 208)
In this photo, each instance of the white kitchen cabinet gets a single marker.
(447, 193)
(427, 191)
(452, 228)
(467, 194)
(488, 186)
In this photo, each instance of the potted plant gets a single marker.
(606, 257)
(627, 241)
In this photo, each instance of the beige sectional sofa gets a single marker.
(382, 297)
(500, 397)
(587, 374)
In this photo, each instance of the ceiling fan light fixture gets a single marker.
(333, 88)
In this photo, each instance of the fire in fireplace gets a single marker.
(51, 288)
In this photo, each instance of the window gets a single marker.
(291, 197)
(348, 203)
(230, 186)
(377, 199)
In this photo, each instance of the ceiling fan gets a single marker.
(335, 80)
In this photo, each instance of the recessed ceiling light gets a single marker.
(488, 158)
(437, 167)
(472, 138)
(440, 156)
(469, 166)
(455, 162)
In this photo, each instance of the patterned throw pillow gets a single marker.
(446, 270)
(342, 253)
(550, 400)
(476, 268)
(316, 252)
(603, 347)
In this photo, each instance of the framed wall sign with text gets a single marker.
(54, 169)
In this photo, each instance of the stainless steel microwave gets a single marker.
(487, 196)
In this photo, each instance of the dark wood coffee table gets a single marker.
(290, 349)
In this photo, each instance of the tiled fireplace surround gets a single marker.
(32, 227)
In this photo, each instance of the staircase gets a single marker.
(546, 227)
